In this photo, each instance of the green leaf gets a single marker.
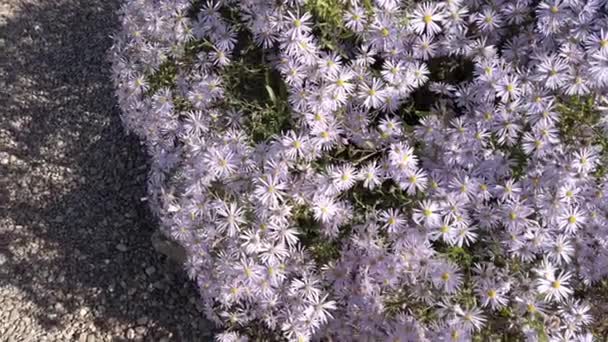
(273, 98)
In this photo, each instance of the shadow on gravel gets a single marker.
(71, 181)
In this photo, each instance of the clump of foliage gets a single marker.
(378, 169)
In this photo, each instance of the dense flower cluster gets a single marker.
(437, 174)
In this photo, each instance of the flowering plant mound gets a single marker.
(371, 170)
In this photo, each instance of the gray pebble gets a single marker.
(150, 271)
(121, 247)
(59, 307)
(13, 316)
(130, 334)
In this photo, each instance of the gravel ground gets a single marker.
(76, 261)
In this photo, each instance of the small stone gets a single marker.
(3, 259)
(82, 337)
(121, 247)
(200, 307)
(130, 334)
(169, 248)
(13, 316)
(140, 330)
(83, 312)
(59, 307)
(150, 271)
(91, 338)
